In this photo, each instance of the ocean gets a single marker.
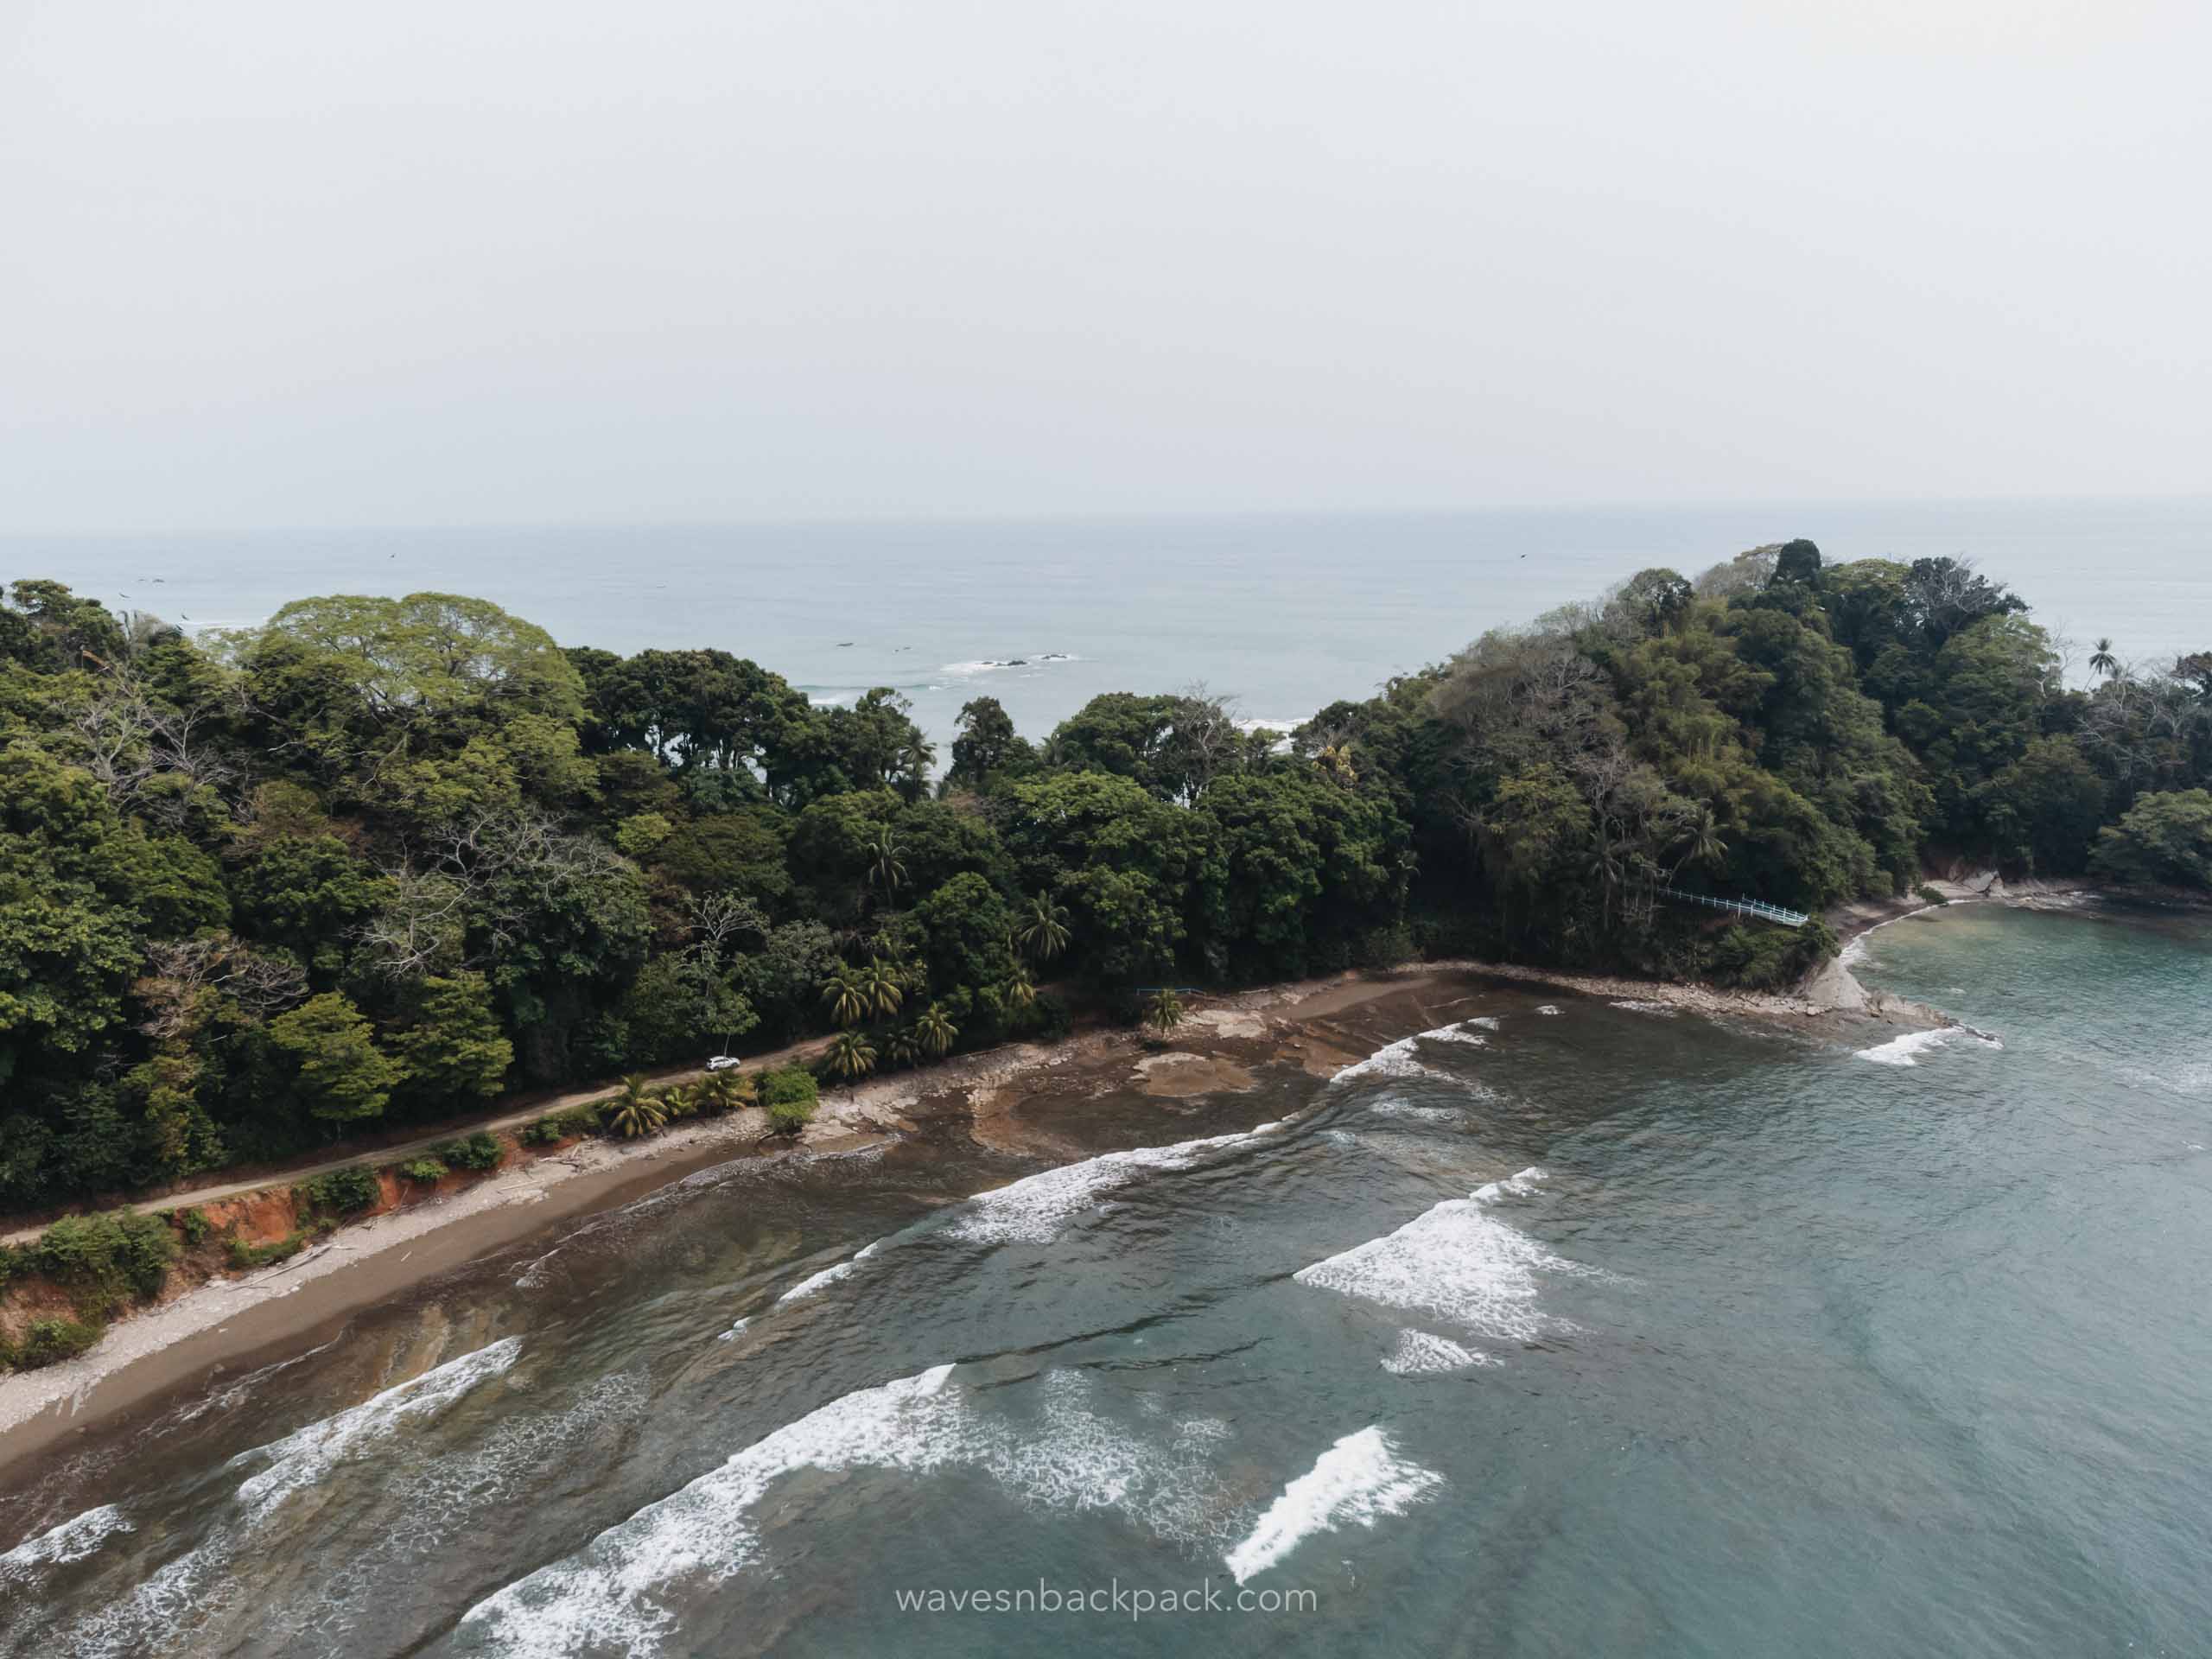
(1284, 614)
(1569, 1326)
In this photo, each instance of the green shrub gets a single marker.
(243, 1255)
(1757, 958)
(424, 1172)
(479, 1151)
(791, 1094)
(192, 1223)
(52, 1340)
(101, 1258)
(1931, 894)
(557, 1127)
(341, 1192)
(12, 1263)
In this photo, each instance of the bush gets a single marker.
(791, 1094)
(1933, 895)
(50, 1340)
(192, 1223)
(479, 1151)
(12, 1263)
(1048, 1016)
(341, 1192)
(424, 1172)
(102, 1257)
(1769, 958)
(557, 1127)
(243, 1255)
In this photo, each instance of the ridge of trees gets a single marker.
(381, 859)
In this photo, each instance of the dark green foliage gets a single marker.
(1933, 895)
(107, 1258)
(479, 1151)
(340, 1192)
(790, 1094)
(50, 1340)
(424, 1172)
(242, 1255)
(191, 1224)
(2163, 840)
(446, 856)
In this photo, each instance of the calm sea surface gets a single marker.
(1285, 614)
(1566, 1328)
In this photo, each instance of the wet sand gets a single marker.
(230, 1324)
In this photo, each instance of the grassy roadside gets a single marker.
(59, 1289)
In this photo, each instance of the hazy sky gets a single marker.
(264, 262)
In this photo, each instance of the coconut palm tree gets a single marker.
(680, 1103)
(886, 864)
(852, 1056)
(725, 1092)
(879, 987)
(1018, 991)
(935, 1030)
(2102, 663)
(902, 1046)
(1044, 932)
(1700, 839)
(1164, 1011)
(636, 1112)
(847, 994)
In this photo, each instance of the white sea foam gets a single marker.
(71, 1540)
(736, 1329)
(815, 1281)
(1398, 1059)
(1456, 1262)
(1642, 1005)
(610, 1594)
(1549, 1007)
(1906, 1050)
(1407, 1113)
(1519, 1185)
(305, 1457)
(1357, 1481)
(1454, 1035)
(1035, 1208)
(1419, 1352)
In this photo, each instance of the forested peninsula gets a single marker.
(381, 860)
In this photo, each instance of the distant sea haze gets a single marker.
(1285, 614)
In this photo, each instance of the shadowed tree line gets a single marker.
(381, 859)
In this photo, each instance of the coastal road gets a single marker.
(381, 1156)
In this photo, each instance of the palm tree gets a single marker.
(1020, 991)
(636, 1112)
(727, 1090)
(680, 1103)
(902, 1046)
(935, 1030)
(847, 994)
(852, 1056)
(879, 987)
(2102, 663)
(1044, 928)
(886, 866)
(1164, 1012)
(1701, 842)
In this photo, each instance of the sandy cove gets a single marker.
(295, 1304)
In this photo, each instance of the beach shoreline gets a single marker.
(212, 1328)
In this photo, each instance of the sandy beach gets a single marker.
(294, 1304)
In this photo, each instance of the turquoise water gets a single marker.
(1284, 613)
(1596, 1330)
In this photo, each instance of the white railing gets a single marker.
(1758, 907)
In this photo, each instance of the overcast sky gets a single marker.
(264, 262)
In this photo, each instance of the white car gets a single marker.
(723, 1062)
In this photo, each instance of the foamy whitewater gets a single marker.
(1366, 1350)
(1356, 1482)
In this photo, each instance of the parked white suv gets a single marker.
(722, 1062)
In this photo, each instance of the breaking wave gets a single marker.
(611, 1593)
(1357, 1481)
(1456, 1262)
(1907, 1049)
